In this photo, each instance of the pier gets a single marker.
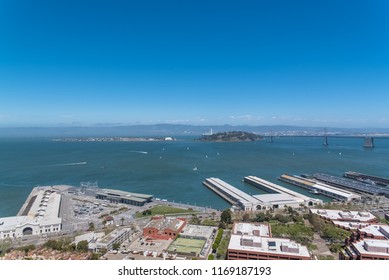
(231, 194)
(352, 185)
(246, 202)
(370, 179)
(270, 187)
(320, 188)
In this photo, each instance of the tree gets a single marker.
(226, 216)
(116, 246)
(91, 226)
(260, 217)
(122, 220)
(213, 215)
(246, 217)
(82, 246)
(95, 256)
(194, 220)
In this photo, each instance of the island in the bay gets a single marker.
(231, 136)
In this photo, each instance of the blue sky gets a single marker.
(315, 63)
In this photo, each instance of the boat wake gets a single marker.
(139, 152)
(70, 164)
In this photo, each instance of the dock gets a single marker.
(370, 179)
(321, 188)
(271, 187)
(352, 185)
(231, 194)
(243, 201)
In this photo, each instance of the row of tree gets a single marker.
(218, 238)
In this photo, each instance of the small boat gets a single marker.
(195, 168)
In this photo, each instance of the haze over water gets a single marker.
(166, 169)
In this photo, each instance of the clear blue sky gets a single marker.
(260, 62)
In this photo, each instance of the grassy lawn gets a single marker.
(165, 210)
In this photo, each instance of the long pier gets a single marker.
(352, 185)
(268, 186)
(324, 189)
(231, 194)
(367, 178)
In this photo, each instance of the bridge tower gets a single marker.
(368, 142)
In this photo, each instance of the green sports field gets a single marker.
(187, 245)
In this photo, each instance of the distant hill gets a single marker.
(231, 136)
(165, 130)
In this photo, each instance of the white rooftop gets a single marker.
(373, 247)
(379, 230)
(268, 245)
(350, 225)
(358, 216)
(198, 231)
(251, 229)
(45, 208)
(278, 198)
(10, 223)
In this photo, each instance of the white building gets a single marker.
(39, 215)
(118, 236)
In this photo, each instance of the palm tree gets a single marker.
(122, 220)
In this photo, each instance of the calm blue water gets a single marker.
(166, 170)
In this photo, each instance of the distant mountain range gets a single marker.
(179, 130)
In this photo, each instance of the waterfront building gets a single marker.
(278, 197)
(118, 196)
(274, 189)
(320, 188)
(38, 216)
(353, 185)
(251, 241)
(164, 228)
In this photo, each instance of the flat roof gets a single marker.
(351, 225)
(125, 193)
(45, 207)
(268, 246)
(372, 247)
(113, 235)
(377, 230)
(278, 188)
(322, 186)
(251, 229)
(360, 216)
(277, 198)
(198, 231)
(165, 223)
